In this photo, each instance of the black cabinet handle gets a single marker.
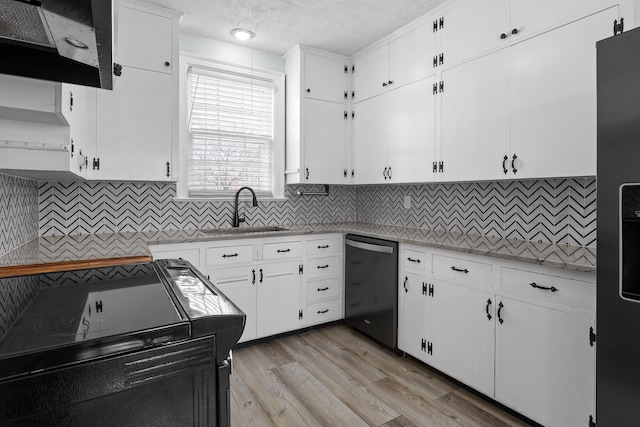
(323, 266)
(261, 276)
(384, 84)
(323, 247)
(280, 251)
(384, 173)
(168, 169)
(514, 31)
(406, 279)
(229, 255)
(504, 164)
(544, 288)
(513, 164)
(414, 260)
(307, 173)
(503, 36)
(389, 172)
(308, 90)
(253, 281)
(323, 289)
(326, 310)
(390, 82)
(500, 307)
(487, 308)
(167, 63)
(465, 271)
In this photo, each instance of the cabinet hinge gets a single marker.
(441, 26)
(424, 288)
(592, 336)
(353, 173)
(435, 88)
(353, 69)
(423, 345)
(300, 269)
(346, 69)
(300, 315)
(70, 101)
(430, 348)
(96, 163)
(345, 173)
(346, 115)
(435, 167)
(618, 27)
(430, 290)
(441, 166)
(441, 86)
(353, 114)
(591, 422)
(168, 169)
(72, 147)
(441, 59)
(435, 26)
(346, 95)
(435, 61)
(353, 94)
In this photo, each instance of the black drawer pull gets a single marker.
(323, 289)
(465, 271)
(414, 260)
(253, 281)
(323, 266)
(280, 251)
(406, 279)
(323, 247)
(229, 256)
(261, 276)
(544, 288)
(326, 310)
(500, 307)
(487, 308)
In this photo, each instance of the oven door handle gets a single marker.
(370, 246)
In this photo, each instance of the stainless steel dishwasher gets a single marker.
(371, 291)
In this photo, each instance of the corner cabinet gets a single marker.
(280, 283)
(522, 334)
(137, 131)
(317, 92)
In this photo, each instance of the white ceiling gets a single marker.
(339, 26)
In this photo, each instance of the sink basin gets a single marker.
(245, 230)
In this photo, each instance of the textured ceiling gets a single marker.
(339, 26)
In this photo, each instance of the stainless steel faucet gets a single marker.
(236, 218)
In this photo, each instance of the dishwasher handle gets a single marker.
(369, 246)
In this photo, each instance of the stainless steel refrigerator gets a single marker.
(618, 232)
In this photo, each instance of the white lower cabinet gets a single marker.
(519, 333)
(280, 283)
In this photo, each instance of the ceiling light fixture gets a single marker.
(242, 35)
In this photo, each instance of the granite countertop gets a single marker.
(47, 250)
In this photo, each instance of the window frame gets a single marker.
(278, 78)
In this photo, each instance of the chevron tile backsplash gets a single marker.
(18, 212)
(109, 207)
(559, 211)
(15, 294)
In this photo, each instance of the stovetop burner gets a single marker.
(62, 322)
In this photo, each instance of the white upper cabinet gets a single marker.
(402, 60)
(325, 78)
(472, 28)
(370, 143)
(317, 149)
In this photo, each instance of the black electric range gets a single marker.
(163, 316)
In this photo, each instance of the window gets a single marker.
(233, 134)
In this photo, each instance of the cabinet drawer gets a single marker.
(281, 250)
(463, 270)
(561, 290)
(415, 260)
(191, 255)
(322, 289)
(328, 266)
(320, 247)
(322, 312)
(228, 255)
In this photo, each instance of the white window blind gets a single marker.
(231, 128)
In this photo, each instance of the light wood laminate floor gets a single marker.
(335, 376)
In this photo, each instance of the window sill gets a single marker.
(227, 199)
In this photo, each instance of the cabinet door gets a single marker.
(414, 315)
(412, 119)
(371, 71)
(464, 325)
(325, 142)
(530, 17)
(324, 78)
(545, 367)
(411, 56)
(278, 304)
(553, 99)
(239, 285)
(475, 119)
(134, 127)
(473, 28)
(144, 40)
(79, 107)
(370, 128)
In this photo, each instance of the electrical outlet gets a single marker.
(407, 202)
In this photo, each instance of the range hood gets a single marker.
(60, 40)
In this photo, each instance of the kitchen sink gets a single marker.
(243, 230)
